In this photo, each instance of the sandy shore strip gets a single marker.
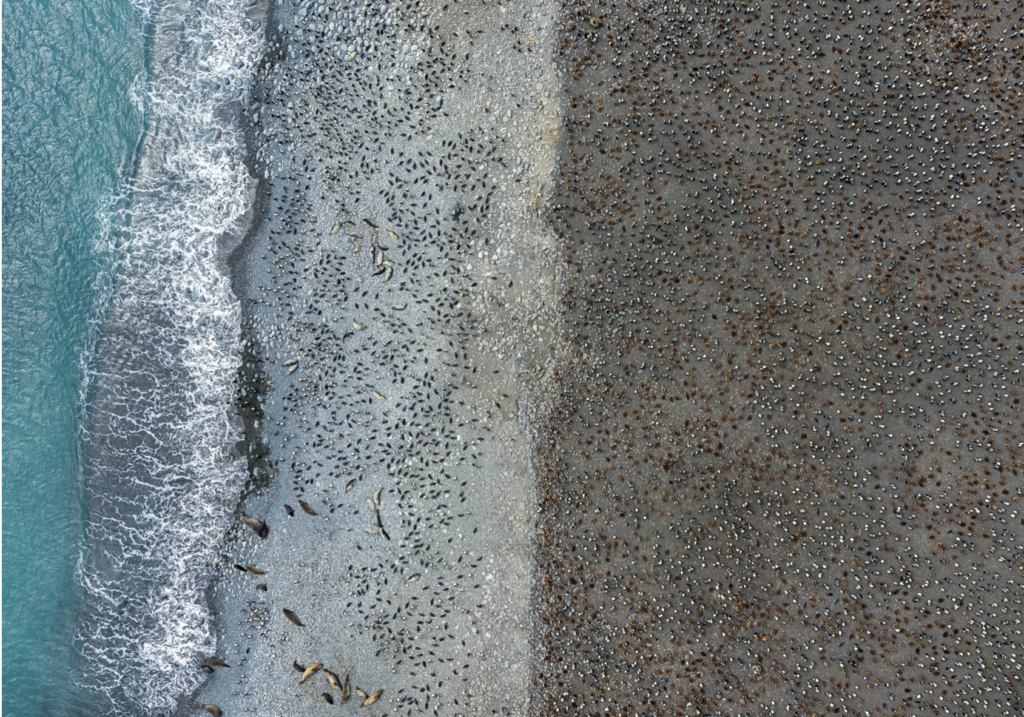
(399, 298)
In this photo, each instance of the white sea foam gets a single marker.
(159, 481)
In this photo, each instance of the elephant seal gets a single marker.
(257, 526)
(372, 698)
(311, 670)
(333, 679)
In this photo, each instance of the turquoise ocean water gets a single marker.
(122, 186)
(70, 131)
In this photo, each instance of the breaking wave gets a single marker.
(159, 477)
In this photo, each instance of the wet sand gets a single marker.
(784, 473)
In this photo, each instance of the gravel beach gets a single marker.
(783, 475)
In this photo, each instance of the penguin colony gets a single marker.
(779, 472)
(783, 476)
(399, 294)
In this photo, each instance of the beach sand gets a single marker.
(402, 262)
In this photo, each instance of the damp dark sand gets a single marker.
(784, 473)
(399, 299)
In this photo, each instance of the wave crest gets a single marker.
(159, 479)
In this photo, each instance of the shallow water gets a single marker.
(160, 477)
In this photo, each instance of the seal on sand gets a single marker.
(257, 526)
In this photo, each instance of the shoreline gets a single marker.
(447, 447)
